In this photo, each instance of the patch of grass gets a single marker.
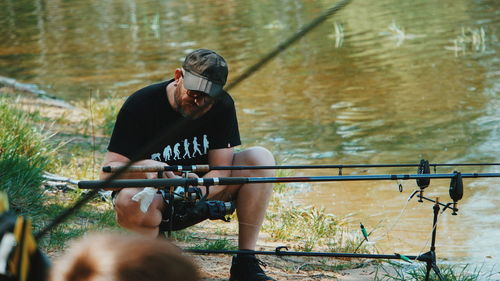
(221, 231)
(21, 181)
(103, 112)
(182, 235)
(327, 265)
(280, 188)
(346, 242)
(290, 221)
(19, 138)
(24, 154)
(58, 237)
(286, 221)
(79, 159)
(403, 272)
(219, 244)
(93, 216)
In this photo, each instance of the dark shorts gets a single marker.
(114, 193)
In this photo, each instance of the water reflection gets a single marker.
(382, 82)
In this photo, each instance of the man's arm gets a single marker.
(116, 159)
(220, 157)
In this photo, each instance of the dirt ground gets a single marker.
(216, 268)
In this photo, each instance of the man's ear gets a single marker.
(177, 74)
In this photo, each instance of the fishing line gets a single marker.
(396, 220)
(393, 225)
(429, 238)
(390, 229)
(182, 123)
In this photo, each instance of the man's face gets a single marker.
(191, 104)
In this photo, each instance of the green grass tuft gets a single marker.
(286, 221)
(405, 272)
(219, 244)
(24, 154)
(21, 181)
(20, 139)
(93, 216)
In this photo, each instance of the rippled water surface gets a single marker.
(381, 82)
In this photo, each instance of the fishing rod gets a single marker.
(163, 182)
(207, 168)
(283, 251)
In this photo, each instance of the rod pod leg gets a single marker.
(430, 260)
(430, 257)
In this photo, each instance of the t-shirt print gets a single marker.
(186, 149)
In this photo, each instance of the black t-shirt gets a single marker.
(147, 127)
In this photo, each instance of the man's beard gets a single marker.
(195, 112)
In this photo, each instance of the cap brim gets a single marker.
(194, 82)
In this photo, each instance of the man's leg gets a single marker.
(252, 199)
(251, 205)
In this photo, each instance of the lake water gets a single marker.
(381, 82)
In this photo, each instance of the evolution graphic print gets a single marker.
(186, 149)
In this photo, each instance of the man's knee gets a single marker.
(127, 210)
(255, 156)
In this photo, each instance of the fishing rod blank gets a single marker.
(207, 168)
(162, 182)
(279, 252)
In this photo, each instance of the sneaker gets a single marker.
(247, 268)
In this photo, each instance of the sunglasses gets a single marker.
(201, 96)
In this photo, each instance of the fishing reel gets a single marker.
(185, 206)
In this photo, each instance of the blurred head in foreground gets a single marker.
(122, 257)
